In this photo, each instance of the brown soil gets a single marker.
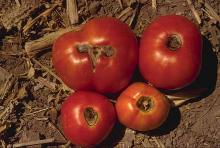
(31, 96)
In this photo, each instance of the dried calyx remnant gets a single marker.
(94, 52)
(145, 103)
(91, 116)
(173, 42)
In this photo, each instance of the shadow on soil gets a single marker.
(116, 135)
(170, 124)
(208, 75)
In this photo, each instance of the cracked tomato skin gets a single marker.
(130, 115)
(74, 124)
(166, 68)
(111, 74)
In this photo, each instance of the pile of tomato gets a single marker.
(101, 59)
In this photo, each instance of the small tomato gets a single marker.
(142, 107)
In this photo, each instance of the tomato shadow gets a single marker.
(137, 77)
(172, 121)
(208, 74)
(207, 78)
(115, 136)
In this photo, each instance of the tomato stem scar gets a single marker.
(91, 116)
(95, 52)
(145, 104)
(173, 42)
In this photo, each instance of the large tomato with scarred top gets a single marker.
(142, 107)
(101, 56)
(170, 52)
(87, 118)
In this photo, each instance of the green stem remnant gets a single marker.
(145, 104)
(94, 52)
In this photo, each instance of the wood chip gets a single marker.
(212, 12)
(125, 14)
(18, 3)
(120, 3)
(36, 112)
(2, 128)
(133, 16)
(195, 13)
(53, 74)
(72, 12)
(158, 142)
(44, 15)
(31, 143)
(52, 86)
(34, 47)
(180, 98)
(154, 5)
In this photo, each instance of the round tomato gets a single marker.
(87, 118)
(101, 56)
(170, 52)
(142, 107)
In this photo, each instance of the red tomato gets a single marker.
(101, 57)
(87, 118)
(142, 107)
(170, 52)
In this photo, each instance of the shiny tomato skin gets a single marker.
(130, 115)
(163, 67)
(74, 124)
(111, 73)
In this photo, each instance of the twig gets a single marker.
(44, 14)
(46, 83)
(37, 142)
(11, 53)
(133, 15)
(158, 142)
(113, 101)
(195, 13)
(67, 145)
(154, 5)
(178, 103)
(125, 11)
(209, 15)
(180, 98)
(38, 111)
(187, 94)
(2, 128)
(36, 46)
(212, 12)
(120, 3)
(8, 85)
(41, 118)
(71, 11)
(7, 111)
(56, 128)
(53, 74)
(18, 3)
